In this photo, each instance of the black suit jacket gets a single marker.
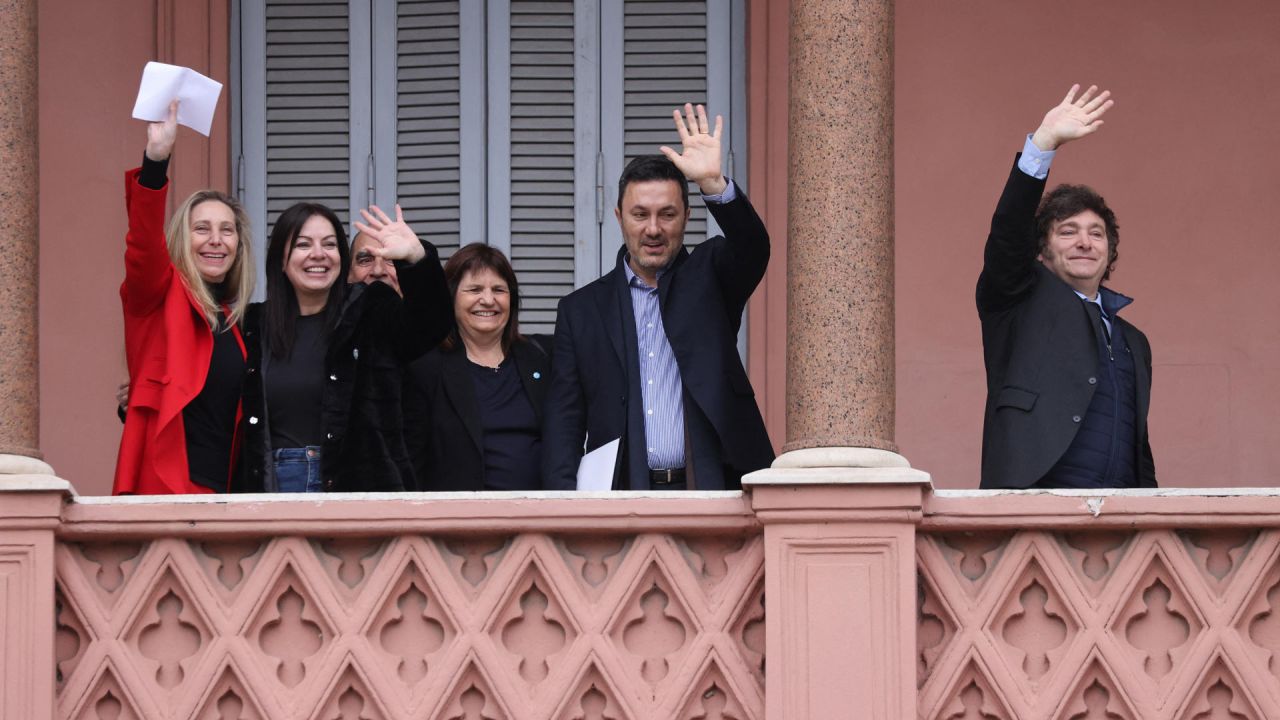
(1040, 352)
(595, 390)
(442, 416)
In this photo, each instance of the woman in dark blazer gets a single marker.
(473, 406)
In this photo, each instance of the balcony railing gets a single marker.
(884, 601)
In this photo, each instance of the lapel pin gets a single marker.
(537, 376)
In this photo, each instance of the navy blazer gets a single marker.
(1040, 352)
(595, 388)
(442, 416)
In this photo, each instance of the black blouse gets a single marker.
(512, 438)
(209, 420)
(295, 387)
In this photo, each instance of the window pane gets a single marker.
(307, 105)
(428, 40)
(664, 66)
(542, 157)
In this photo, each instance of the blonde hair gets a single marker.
(240, 277)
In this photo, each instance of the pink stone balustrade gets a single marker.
(884, 601)
(400, 607)
(1099, 607)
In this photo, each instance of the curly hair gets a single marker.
(1067, 201)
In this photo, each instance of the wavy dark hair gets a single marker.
(1065, 201)
(652, 167)
(281, 311)
(474, 258)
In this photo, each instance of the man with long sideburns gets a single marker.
(648, 353)
(1068, 379)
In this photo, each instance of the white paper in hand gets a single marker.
(595, 472)
(196, 94)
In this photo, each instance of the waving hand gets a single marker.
(699, 156)
(396, 240)
(1072, 118)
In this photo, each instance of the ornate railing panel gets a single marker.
(255, 615)
(1114, 615)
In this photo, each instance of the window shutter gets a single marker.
(542, 157)
(428, 125)
(664, 65)
(307, 105)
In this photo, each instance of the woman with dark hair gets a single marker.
(322, 394)
(185, 290)
(473, 406)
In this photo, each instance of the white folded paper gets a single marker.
(196, 94)
(595, 472)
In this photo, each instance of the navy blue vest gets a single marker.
(1104, 452)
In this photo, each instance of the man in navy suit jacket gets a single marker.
(648, 353)
(1068, 379)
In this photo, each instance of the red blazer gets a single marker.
(168, 345)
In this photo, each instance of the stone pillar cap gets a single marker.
(839, 457)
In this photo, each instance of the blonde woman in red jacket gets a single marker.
(185, 291)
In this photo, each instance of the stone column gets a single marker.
(840, 353)
(19, 241)
(840, 506)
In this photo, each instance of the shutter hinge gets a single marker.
(239, 172)
(369, 179)
(599, 188)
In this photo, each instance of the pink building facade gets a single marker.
(842, 582)
(1184, 160)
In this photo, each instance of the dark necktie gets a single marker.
(1095, 311)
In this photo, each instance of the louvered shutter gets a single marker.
(307, 105)
(541, 115)
(664, 65)
(503, 121)
(428, 107)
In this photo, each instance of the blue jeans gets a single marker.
(297, 469)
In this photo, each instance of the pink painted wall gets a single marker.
(1187, 160)
(87, 141)
(1184, 159)
(767, 115)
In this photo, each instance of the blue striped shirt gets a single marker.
(660, 386)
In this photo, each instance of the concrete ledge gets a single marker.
(34, 483)
(836, 476)
(406, 497)
(1101, 492)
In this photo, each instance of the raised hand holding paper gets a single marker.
(197, 96)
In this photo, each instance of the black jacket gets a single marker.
(595, 388)
(1040, 352)
(376, 337)
(442, 418)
